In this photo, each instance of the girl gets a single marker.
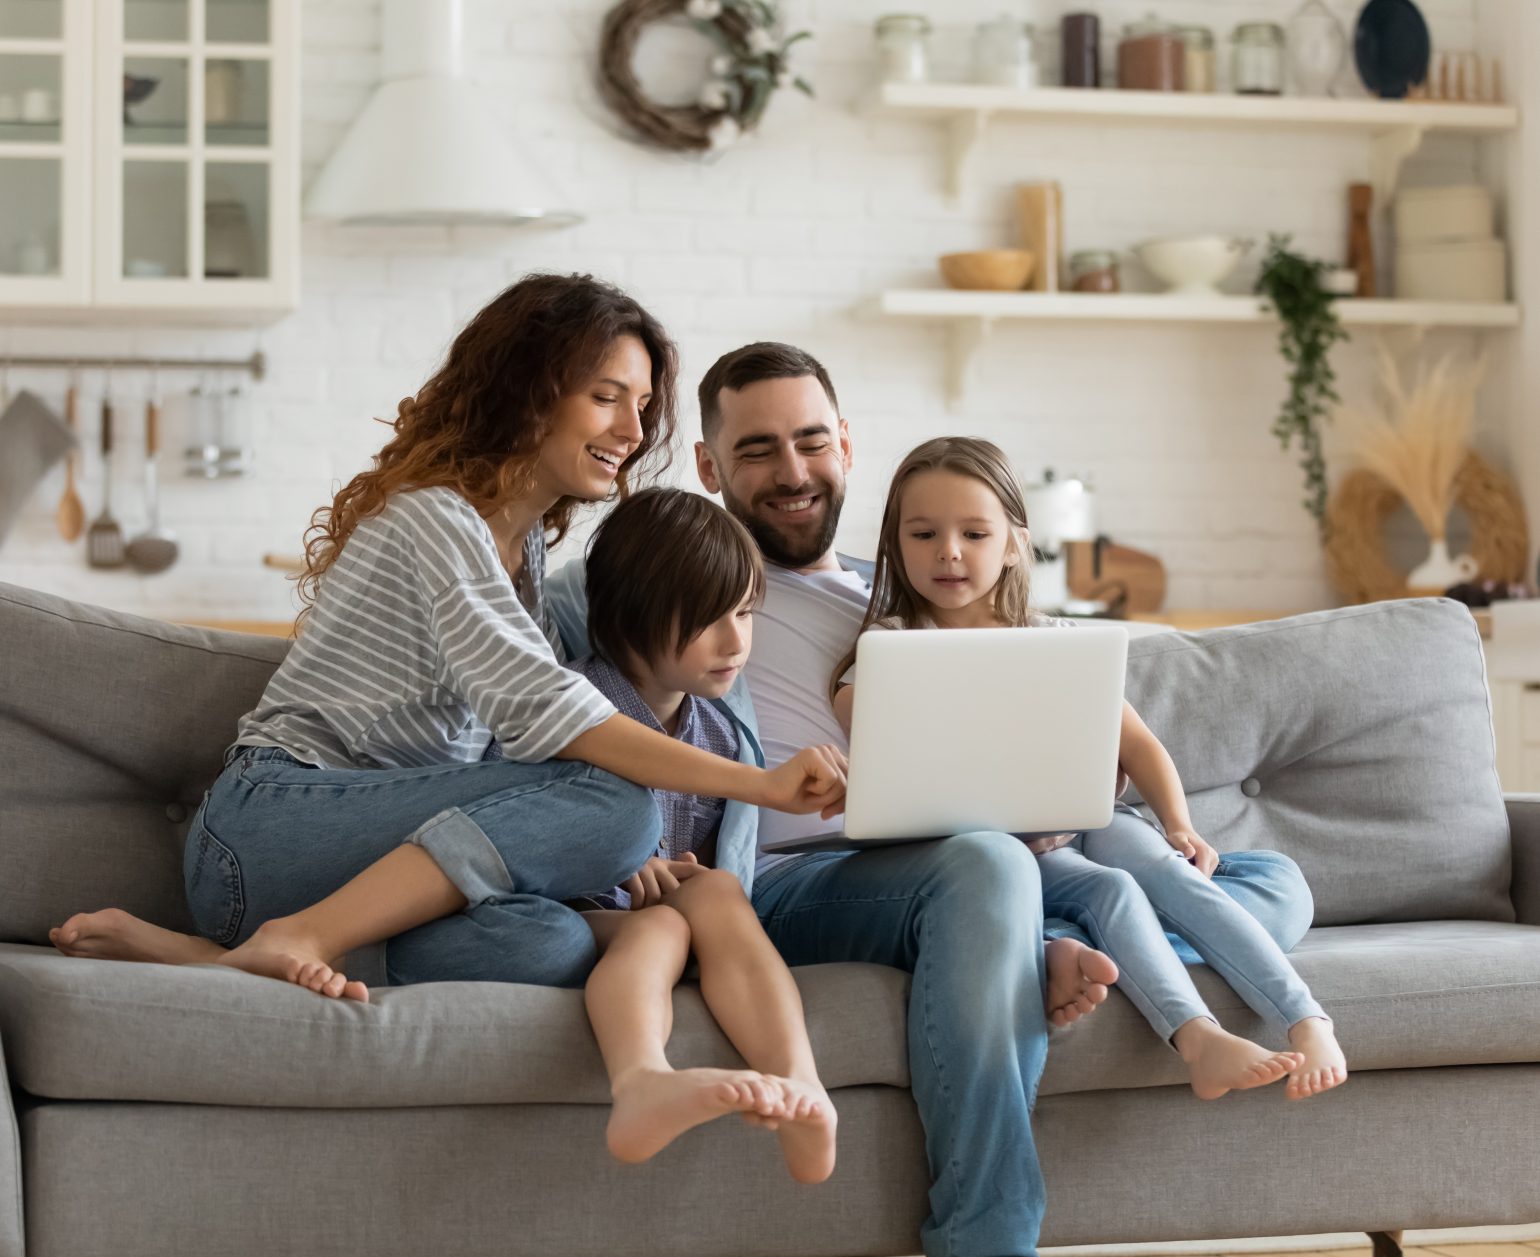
(421, 769)
(953, 554)
(671, 639)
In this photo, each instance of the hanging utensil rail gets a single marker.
(256, 364)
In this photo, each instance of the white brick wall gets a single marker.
(785, 238)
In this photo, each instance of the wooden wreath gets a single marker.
(1355, 547)
(751, 62)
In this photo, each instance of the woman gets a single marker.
(421, 768)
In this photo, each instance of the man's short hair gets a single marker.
(763, 360)
(662, 567)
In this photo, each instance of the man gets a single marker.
(964, 915)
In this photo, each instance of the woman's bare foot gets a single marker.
(274, 951)
(1323, 1066)
(1219, 1062)
(113, 934)
(653, 1107)
(1078, 978)
(807, 1131)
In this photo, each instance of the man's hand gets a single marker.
(1194, 848)
(658, 877)
(812, 780)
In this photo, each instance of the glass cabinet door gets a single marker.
(195, 164)
(44, 151)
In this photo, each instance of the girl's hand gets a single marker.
(812, 780)
(1194, 848)
(658, 877)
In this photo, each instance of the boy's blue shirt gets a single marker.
(566, 597)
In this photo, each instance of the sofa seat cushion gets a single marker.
(1404, 996)
(110, 1030)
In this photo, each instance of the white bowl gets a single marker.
(1193, 266)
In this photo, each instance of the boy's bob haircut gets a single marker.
(663, 566)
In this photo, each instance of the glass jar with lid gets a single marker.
(903, 47)
(1257, 51)
(1094, 270)
(1199, 60)
(1003, 53)
(1151, 57)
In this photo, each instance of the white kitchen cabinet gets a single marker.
(179, 161)
(46, 57)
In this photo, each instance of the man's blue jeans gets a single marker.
(965, 917)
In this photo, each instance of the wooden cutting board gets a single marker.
(1140, 574)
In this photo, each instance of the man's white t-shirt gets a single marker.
(803, 629)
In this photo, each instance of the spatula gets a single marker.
(104, 539)
(155, 549)
(71, 515)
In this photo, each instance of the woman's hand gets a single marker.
(1194, 848)
(812, 780)
(658, 877)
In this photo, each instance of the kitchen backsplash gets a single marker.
(788, 236)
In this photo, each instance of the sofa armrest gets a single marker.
(12, 1239)
(1524, 826)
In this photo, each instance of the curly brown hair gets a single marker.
(478, 424)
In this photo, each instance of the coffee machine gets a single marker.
(1078, 571)
(1059, 512)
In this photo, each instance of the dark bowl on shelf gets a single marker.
(136, 88)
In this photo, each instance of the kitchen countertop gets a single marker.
(1188, 620)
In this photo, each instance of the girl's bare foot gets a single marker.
(653, 1107)
(1078, 978)
(1322, 1065)
(1219, 1062)
(274, 951)
(807, 1131)
(113, 934)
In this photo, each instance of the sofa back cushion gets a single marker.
(111, 729)
(1357, 741)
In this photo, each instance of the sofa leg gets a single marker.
(1386, 1243)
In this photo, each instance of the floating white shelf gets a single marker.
(1395, 127)
(973, 315)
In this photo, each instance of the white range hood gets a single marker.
(427, 149)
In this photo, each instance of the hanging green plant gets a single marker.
(1291, 282)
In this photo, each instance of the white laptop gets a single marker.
(956, 730)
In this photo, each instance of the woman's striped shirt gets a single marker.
(419, 650)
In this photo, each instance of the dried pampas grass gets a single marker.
(1417, 439)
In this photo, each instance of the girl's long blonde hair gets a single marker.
(893, 597)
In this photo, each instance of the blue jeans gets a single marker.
(1126, 885)
(965, 917)
(274, 836)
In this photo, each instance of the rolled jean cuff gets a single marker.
(465, 855)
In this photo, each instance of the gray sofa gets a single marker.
(160, 1111)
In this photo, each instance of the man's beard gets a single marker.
(784, 551)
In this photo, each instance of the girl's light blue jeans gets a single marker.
(1125, 886)
(274, 836)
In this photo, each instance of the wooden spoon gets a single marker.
(71, 516)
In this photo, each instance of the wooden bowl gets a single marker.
(998, 270)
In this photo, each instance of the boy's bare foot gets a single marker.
(275, 952)
(1323, 1066)
(113, 934)
(807, 1131)
(1078, 978)
(653, 1107)
(1219, 1062)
